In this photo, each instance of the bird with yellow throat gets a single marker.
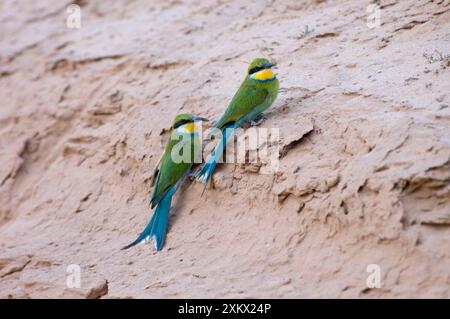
(256, 94)
(181, 153)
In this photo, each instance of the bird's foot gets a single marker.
(191, 176)
(258, 120)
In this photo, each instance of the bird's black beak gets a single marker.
(199, 118)
(269, 65)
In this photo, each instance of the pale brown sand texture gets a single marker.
(364, 178)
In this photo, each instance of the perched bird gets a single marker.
(255, 95)
(182, 151)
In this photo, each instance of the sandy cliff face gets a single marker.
(364, 177)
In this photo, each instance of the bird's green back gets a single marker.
(251, 96)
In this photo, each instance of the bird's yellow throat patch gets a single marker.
(190, 127)
(264, 75)
(187, 128)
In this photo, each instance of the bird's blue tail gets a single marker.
(157, 226)
(207, 170)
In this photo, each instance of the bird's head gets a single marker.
(260, 70)
(185, 123)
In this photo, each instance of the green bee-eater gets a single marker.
(182, 151)
(255, 95)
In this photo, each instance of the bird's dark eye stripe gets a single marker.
(255, 69)
(182, 122)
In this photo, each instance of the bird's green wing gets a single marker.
(156, 171)
(169, 173)
(247, 98)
